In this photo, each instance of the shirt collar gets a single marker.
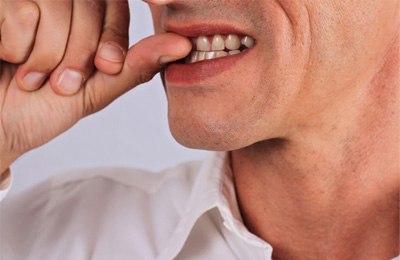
(214, 188)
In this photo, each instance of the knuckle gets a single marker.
(7, 56)
(28, 14)
(15, 56)
(16, 59)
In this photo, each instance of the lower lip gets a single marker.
(189, 74)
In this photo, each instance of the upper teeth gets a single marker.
(207, 48)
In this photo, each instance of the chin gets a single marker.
(205, 141)
(209, 136)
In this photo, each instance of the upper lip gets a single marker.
(202, 29)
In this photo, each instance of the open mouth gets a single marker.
(218, 46)
(216, 49)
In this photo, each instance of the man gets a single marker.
(302, 97)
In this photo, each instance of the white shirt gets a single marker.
(189, 212)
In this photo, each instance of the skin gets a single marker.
(311, 118)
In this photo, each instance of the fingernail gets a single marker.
(111, 52)
(70, 81)
(33, 80)
(166, 59)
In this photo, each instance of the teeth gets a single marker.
(194, 57)
(218, 46)
(203, 44)
(220, 54)
(248, 41)
(232, 42)
(197, 56)
(201, 56)
(210, 55)
(234, 52)
(218, 43)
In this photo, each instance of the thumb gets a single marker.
(143, 61)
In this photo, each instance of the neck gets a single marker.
(330, 191)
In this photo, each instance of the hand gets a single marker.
(62, 23)
(67, 40)
(30, 119)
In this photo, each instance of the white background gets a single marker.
(132, 131)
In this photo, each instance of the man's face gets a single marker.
(308, 56)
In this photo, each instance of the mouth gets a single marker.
(215, 50)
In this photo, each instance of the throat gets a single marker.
(304, 204)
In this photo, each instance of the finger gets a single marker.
(143, 61)
(50, 44)
(77, 64)
(115, 38)
(18, 30)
